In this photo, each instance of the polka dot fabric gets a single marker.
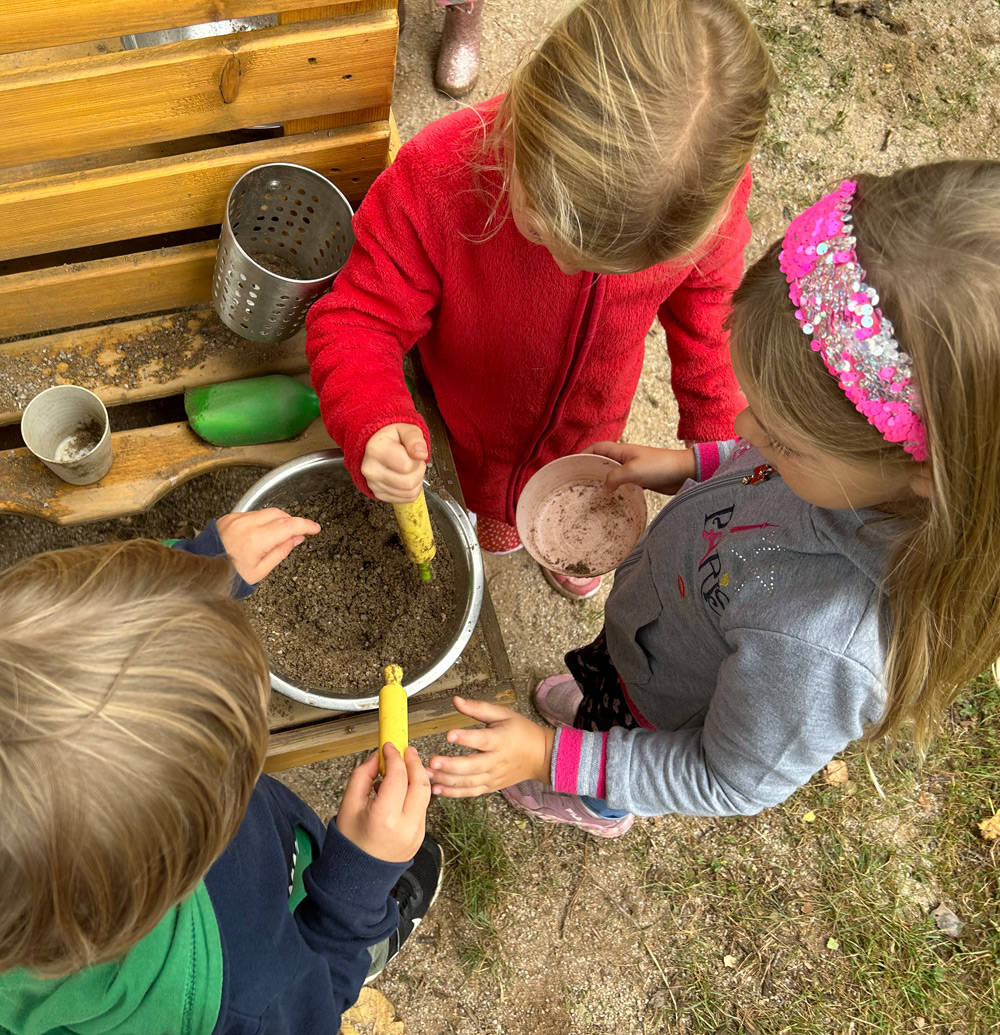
(496, 536)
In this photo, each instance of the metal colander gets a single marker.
(286, 234)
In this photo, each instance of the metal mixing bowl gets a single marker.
(312, 473)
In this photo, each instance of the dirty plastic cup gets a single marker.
(67, 428)
(570, 525)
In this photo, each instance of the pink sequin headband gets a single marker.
(840, 311)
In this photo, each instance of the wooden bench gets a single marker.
(115, 165)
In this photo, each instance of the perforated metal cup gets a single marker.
(286, 234)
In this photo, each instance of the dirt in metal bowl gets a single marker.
(313, 474)
(570, 525)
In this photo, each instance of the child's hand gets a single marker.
(389, 826)
(511, 748)
(394, 463)
(662, 470)
(259, 540)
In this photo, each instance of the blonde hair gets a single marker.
(929, 240)
(132, 731)
(631, 123)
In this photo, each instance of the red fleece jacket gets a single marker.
(527, 364)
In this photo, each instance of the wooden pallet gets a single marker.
(114, 171)
(115, 165)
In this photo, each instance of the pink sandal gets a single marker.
(532, 797)
(571, 587)
(558, 699)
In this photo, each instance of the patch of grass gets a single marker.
(792, 48)
(479, 866)
(827, 127)
(592, 616)
(781, 925)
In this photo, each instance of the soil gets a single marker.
(348, 601)
(83, 439)
(279, 264)
(153, 355)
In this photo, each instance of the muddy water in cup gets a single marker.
(580, 528)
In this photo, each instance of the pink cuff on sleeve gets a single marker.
(707, 456)
(579, 762)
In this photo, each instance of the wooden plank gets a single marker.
(106, 289)
(148, 463)
(137, 360)
(36, 57)
(195, 87)
(30, 24)
(358, 731)
(73, 210)
(332, 121)
(284, 713)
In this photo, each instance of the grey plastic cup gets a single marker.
(67, 428)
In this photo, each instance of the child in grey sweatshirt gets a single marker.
(832, 574)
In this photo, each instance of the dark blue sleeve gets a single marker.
(208, 543)
(285, 974)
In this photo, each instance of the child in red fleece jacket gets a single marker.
(526, 245)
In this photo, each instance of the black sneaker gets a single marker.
(414, 893)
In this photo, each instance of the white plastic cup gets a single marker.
(67, 428)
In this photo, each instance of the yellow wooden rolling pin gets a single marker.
(392, 724)
(415, 531)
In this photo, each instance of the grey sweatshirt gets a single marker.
(748, 628)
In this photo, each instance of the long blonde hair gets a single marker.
(132, 731)
(929, 240)
(631, 123)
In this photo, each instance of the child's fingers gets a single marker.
(412, 440)
(482, 711)
(282, 530)
(617, 477)
(612, 450)
(406, 483)
(418, 791)
(288, 526)
(457, 765)
(272, 559)
(476, 739)
(359, 784)
(392, 790)
(441, 791)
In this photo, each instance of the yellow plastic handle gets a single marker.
(392, 721)
(415, 531)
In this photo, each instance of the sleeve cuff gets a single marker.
(208, 543)
(708, 456)
(579, 761)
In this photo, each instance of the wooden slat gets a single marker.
(30, 24)
(176, 193)
(359, 731)
(61, 296)
(332, 121)
(148, 463)
(136, 360)
(196, 87)
(25, 59)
